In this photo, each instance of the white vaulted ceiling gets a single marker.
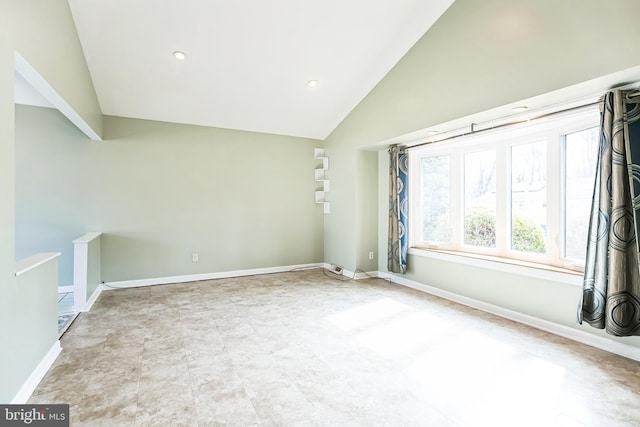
(248, 61)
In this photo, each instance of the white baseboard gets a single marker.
(351, 274)
(330, 267)
(206, 276)
(366, 275)
(602, 343)
(92, 299)
(65, 289)
(36, 376)
(361, 275)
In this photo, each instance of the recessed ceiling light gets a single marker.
(520, 109)
(432, 132)
(179, 55)
(312, 83)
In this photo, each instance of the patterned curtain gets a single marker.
(610, 297)
(398, 224)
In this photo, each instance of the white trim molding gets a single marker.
(81, 273)
(583, 337)
(205, 276)
(43, 87)
(29, 263)
(351, 274)
(360, 275)
(36, 376)
(92, 299)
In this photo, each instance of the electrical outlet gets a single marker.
(371, 255)
(195, 257)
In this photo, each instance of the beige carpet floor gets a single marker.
(303, 349)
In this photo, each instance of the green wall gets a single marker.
(8, 291)
(478, 56)
(366, 201)
(160, 192)
(484, 54)
(37, 303)
(339, 226)
(94, 266)
(42, 31)
(38, 230)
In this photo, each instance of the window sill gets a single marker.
(524, 268)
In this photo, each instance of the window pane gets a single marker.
(435, 187)
(580, 159)
(529, 197)
(480, 199)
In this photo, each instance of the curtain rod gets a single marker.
(474, 131)
(635, 87)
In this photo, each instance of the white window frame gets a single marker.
(552, 129)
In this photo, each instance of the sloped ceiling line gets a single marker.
(247, 61)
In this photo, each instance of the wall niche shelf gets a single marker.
(322, 165)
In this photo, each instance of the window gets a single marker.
(480, 199)
(580, 159)
(436, 191)
(522, 192)
(529, 197)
